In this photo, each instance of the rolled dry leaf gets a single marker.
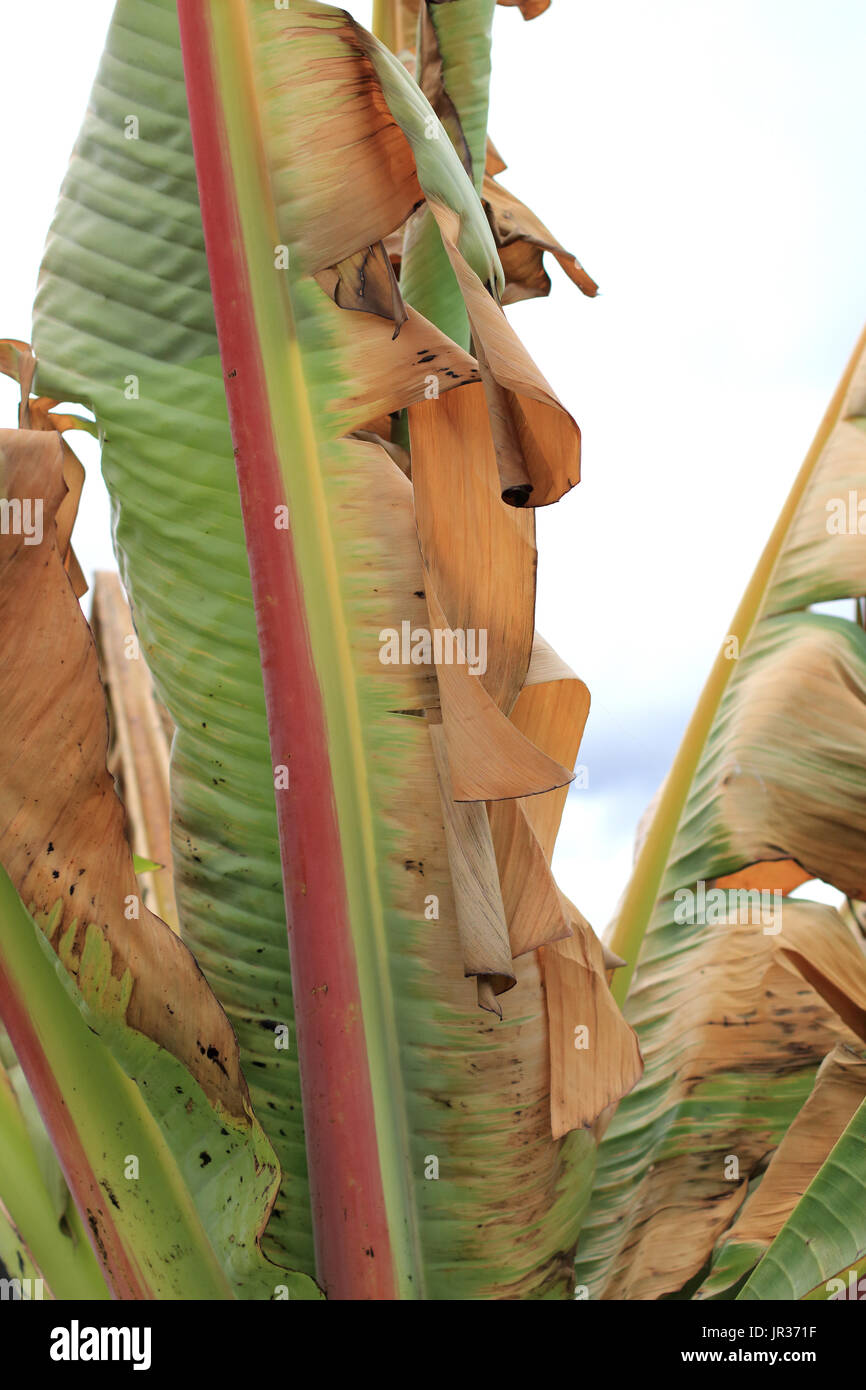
(537, 441)
(479, 552)
(551, 711)
(486, 994)
(480, 915)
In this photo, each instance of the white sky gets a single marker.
(704, 160)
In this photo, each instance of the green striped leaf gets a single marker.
(124, 322)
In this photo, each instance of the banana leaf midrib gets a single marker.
(295, 441)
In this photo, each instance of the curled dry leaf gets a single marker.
(63, 845)
(522, 239)
(584, 1080)
(594, 1055)
(366, 282)
(537, 442)
(479, 553)
(66, 852)
(488, 755)
(38, 413)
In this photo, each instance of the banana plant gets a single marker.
(353, 1039)
(368, 1062)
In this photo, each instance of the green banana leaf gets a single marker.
(124, 323)
(825, 1236)
(453, 71)
(41, 1236)
(162, 1232)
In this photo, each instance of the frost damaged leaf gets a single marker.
(389, 374)
(585, 1081)
(840, 1088)
(537, 442)
(63, 844)
(443, 1074)
(770, 771)
(70, 847)
(480, 553)
(313, 52)
(752, 1016)
(594, 1055)
(380, 143)
(522, 239)
(798, 710)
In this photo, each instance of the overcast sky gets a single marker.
(704, 160)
